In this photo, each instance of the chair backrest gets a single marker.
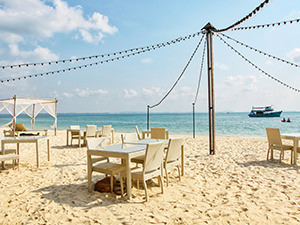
(75, 127)
(174, 149)
(96, 143)
(129, 138)
(106, 130)
(158, 133)
(91, 130)
(274, 137)
(137, 132)
(153, 157)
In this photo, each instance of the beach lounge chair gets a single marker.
(275, 143)
(106, 132)
(137, 132)
(94, 163)
(152, 167)
(158, 133)
(76, 134)
(132, 138)
(173, 156)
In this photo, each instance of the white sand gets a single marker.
(235, 186)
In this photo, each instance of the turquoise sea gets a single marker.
(226, 124)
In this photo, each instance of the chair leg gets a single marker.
(161, 184)
(167, 176)
(280, 156)
(137, 183)
(178, 167)
(146, 191)
(122, 186)
(268, 154)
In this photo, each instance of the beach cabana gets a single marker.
(31, 106)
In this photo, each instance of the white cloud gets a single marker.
(37, 19)
(221, 66)
(87, 92)
(58, 83)
(153, 91)
(294, 55)
(148, 60)
(244, 83)
(68, 95)
(38, 54)
(130, 93)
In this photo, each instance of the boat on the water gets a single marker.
(264, 111)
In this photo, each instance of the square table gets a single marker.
(27, 139)
(295, 137)
(126, 152)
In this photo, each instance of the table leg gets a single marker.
(128, 175)
(48, 149)
(37, 153)
(79, 139)
(112, 136)
(295, 151)
(2, 147)
(67, 137)
(182, 160)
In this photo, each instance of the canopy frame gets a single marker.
(31, 106)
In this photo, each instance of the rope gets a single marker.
(258, 68)
(261, 52)
(163, 44)
(186, 66)
(201, 69)
(256, 10)
(267, 25)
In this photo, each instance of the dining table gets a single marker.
(128, 150)
(295, 137)
(26, 139)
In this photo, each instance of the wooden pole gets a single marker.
(55, 123)
(32, 119)
(211, 105)
(15, 104)
(148, 120)
(193, 120)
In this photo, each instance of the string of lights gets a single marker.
(147, 49)
(163, 44)
(183, 71)
(267, 25)
(261, 52)
(200, 75)
(258, 68)
(256, 10)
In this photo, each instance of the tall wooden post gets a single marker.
(148, 119)
(193, 120)
(211, 101)
(55, 122)
(15, 105)
(33, 115)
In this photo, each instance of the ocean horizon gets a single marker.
(226, 123)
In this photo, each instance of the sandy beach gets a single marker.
(235, 186)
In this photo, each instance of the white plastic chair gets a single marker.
(173, 156)
(275, 143)
(152, 166)
(94, 163)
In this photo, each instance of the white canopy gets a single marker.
(31, 106)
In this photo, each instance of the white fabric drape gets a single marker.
(26, 105)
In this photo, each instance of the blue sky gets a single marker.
(41, 31)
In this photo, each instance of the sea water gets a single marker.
(226, 124)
